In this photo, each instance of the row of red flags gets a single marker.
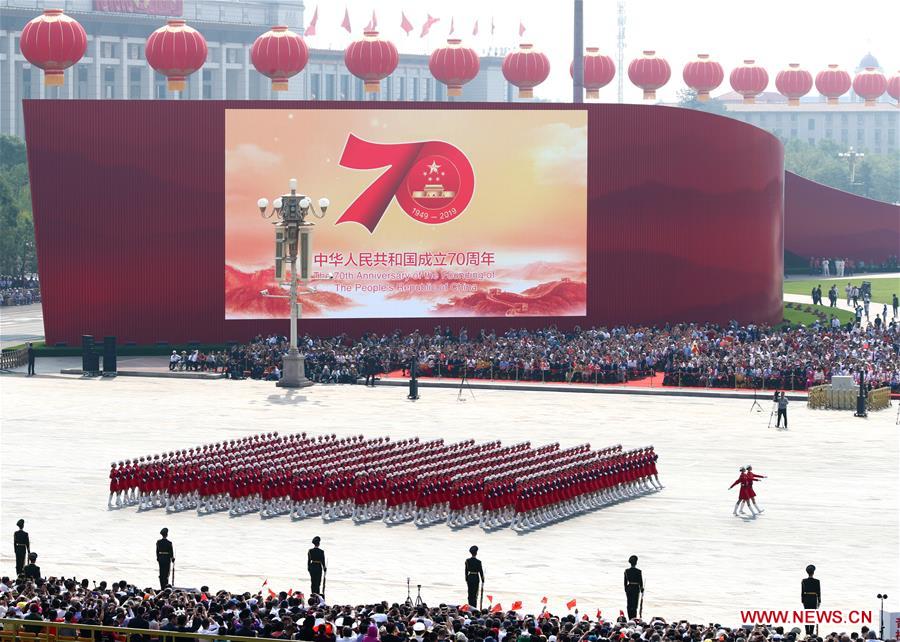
(405, 24)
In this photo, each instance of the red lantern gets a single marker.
(793, 83)
(649, 72)
(526, 68)
(53, 42)
(279, 54)
(599, 71)
(371, 59)
(176, 51)
(833, 83)
(749, 80)
(703, 75)
(869, 84)
(893, 87)
(454, 65)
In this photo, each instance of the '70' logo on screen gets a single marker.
(433, 181)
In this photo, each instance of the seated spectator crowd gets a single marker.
(708, 355)
(68, 603)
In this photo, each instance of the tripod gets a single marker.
(464, 382)
(409, 601)
(755, 403)
(419, 601)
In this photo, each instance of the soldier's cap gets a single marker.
(164, 532)
(633, 559)
(473, 549)
(811, 568)
(316, 540)
(20, 523)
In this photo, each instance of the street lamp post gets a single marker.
(852, 157)
(293, 240)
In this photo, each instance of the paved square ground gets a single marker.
(831, 497)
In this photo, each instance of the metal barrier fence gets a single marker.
(879, 399)
(10, 359)
(34, 631)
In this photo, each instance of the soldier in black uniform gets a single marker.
(474, 576)
(32, 571)
(634, 586)
(21, 545)
(31, 356)
(165, 555)
(315, 564)
(810, 594)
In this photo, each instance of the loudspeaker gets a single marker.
(109, 355)
(90, 360)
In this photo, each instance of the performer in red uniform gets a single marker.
(751, 495)
(742, 494)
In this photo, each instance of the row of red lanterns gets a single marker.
(54, 42)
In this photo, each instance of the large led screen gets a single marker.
(437, 213)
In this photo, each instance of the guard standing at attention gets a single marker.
(21, 545)
(165, 555)
(634, 586)
(315, 564)
(474, 576)
(810, 594)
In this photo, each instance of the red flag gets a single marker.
(490, 599)
(272, 593)
(497, 608)
(405, 24)
(585, 618)
(516, 605)
(492, 25)
(311, 29)
(290, 592)
(265, 581)
(621, 613)
(544, 600)
(571, 604)
(452, 25)
(429, 21)
(599, 614)
(475, 29)
(346, 22)
(521, 29)
(203, 597)
(546, 615)
(373, 23)
(464, 608)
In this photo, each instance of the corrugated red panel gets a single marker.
(826, 222)
(684, 220)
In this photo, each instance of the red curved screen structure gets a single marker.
(684, 220)
(823, 221)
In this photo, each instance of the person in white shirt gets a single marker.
(825, 267)
(173, 360)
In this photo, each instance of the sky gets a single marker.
(775, 33)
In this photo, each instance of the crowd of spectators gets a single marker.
(69, 603)
(839, 266)
(706, 355)
(17, 291)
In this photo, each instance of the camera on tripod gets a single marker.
(409, 601)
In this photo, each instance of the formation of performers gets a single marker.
(425, 482)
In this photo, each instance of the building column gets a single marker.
(223, 70)
(246, 70)
(123, 68)
(98, 70)
(11, 82)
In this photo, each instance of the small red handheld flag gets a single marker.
(490, 598)
(544, 600)
(497, 608)
(621, 613)
(585, 617)
(272, 593)
(599, 614)
(516, 605)
(464, 608)
(571, 604)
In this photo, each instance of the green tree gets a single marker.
(687, 98)
(17, 255)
